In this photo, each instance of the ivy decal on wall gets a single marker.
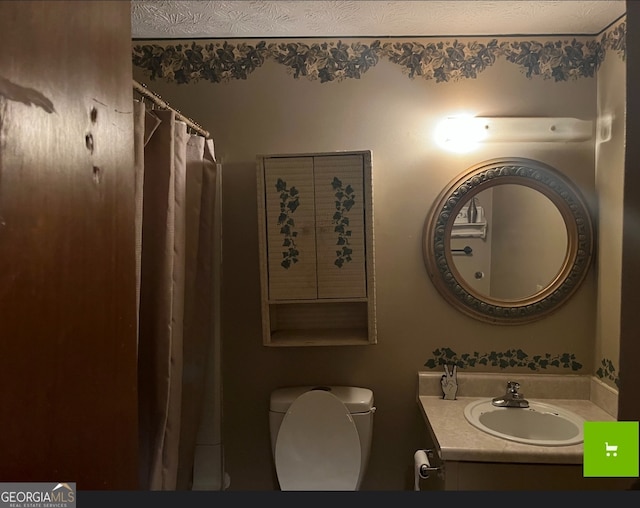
(608, 371)
(345, 199)
(503, 359)
(442, 61)
(289, 202)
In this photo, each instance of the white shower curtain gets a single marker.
(178, 250)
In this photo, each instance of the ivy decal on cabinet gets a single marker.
(345, 199)
(503, 359)
(289, 202)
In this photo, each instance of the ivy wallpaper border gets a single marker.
(607, 370)
(441, 60)
(503, 359)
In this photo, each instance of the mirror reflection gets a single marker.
(508, 242)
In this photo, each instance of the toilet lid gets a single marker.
(317, 447)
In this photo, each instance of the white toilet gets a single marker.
(321, 436)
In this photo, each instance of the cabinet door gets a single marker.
(291, 237)
(340, 226)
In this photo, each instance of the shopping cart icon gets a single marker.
(611, 449)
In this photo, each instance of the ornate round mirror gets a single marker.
(508, 241)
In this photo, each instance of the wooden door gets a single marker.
(68, 409)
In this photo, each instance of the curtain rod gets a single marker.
(156, 99)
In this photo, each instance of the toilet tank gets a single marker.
(359, 402)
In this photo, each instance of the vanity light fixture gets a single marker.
(461, 133)
(464, 133)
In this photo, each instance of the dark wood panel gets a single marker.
(68, 409)
(629, 400)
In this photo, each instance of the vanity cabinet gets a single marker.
(496, 476)
(469, 459)
(315, 216)
(515, 474)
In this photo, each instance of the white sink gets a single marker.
(540, 424)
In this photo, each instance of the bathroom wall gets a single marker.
(259, 106)
(610, 162)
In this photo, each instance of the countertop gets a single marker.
(457, 440)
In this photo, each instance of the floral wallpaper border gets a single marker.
(607, 370)
(503, 359)
(440, 60)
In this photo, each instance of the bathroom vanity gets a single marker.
(470, 459)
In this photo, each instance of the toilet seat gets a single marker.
(318, 447)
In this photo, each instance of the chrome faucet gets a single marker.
(513, 398)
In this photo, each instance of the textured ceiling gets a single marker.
(157, 19)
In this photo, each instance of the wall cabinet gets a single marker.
(315, 215)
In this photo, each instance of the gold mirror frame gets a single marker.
(520, 171)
